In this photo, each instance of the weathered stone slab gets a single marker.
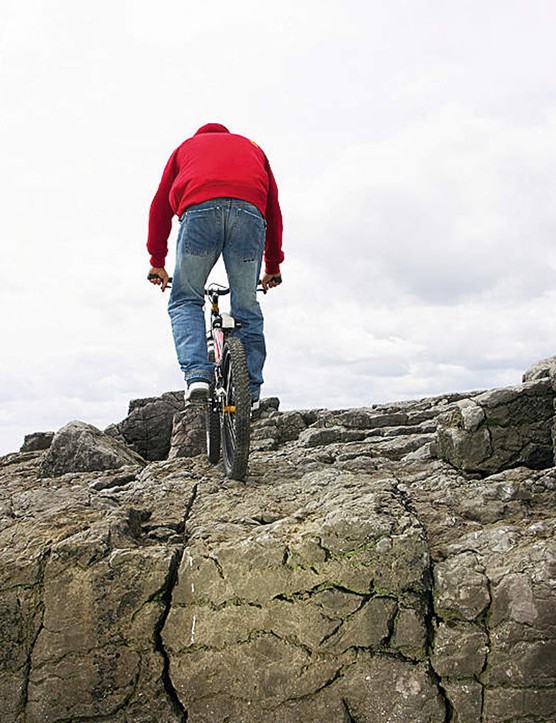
(544, 369)
(148, 427)
(37, 441)
(189, 437)
(80, 447)
(500, 429)
(290, 603)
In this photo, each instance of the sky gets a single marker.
(414, 147)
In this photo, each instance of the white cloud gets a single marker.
(449, 208)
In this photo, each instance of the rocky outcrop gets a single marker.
(355, 576)
(188, 432)
(80, 447)
(37, 441)
(500, 429)
(544, 369)
(148, 427)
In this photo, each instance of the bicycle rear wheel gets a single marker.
(213, 422)
(235, 410)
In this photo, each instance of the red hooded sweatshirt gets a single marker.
(215, 163)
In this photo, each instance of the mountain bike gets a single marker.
(228, 415)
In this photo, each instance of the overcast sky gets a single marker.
(414, 146)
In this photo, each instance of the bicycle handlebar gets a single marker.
(277, 279)
(150, 277)
(217, 288)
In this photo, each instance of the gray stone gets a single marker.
(290, 425)
(500, 429)
(148, 427)
(316, 437)
(80, 447)
(466, 699)
(410, 632)
(189, 437)
(530, 704)
(544, 369)
(462, 590)
(83, 644)
(370, 419)
(37, 441)
(459, 650)
(397, 447)
(269, 404)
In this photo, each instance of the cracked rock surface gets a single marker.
(352, 577)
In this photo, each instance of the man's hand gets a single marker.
(158, 277)
(269, 281)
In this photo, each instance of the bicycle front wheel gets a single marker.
(235, 410)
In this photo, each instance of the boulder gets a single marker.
(80, 447)
(148, 427)
(37, 441)
(499, 429)
(544, 369)
(189, 432)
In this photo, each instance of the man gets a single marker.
(221, 187)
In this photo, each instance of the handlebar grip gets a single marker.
(277, 279)
(156, 276)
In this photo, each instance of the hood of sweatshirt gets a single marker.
(212, 128)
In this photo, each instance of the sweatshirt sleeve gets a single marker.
(160, 216)
(273, 253)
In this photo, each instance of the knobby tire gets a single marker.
(236, 424)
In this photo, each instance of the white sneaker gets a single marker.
(197, 392)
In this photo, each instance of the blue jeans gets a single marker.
(236, 230)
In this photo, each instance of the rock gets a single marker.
(500, 429)
(347, 579)
(80, 447)
(327, 435)
(544, 369)
(83, 642)
(37, 441)
(461, 588)
(460, 650)
(301, 598)
(189, 437)
(369, 419)
(269, 404)
(466, 700)
(148, 427)
(290, 425)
